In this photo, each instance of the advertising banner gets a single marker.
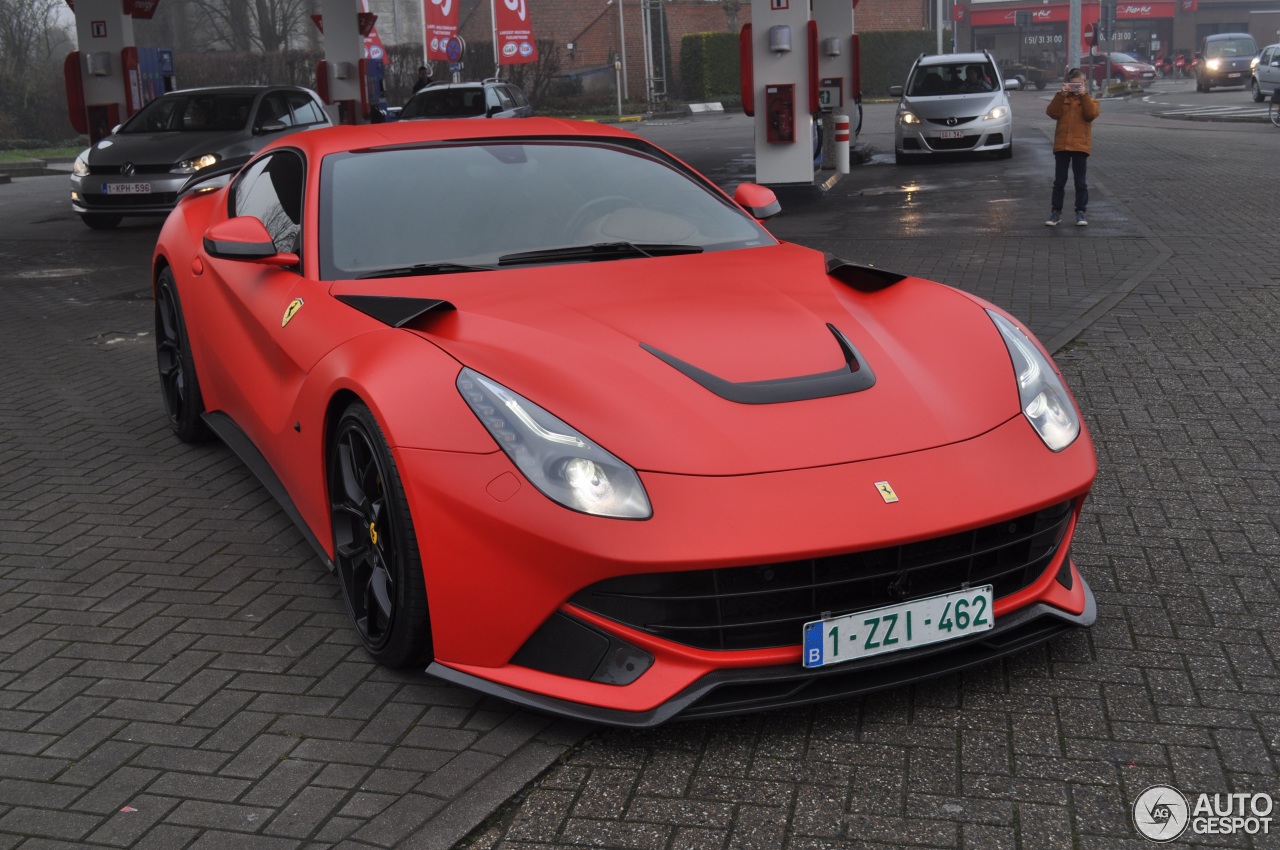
(515, 33)
(441, 18)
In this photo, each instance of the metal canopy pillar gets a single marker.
(789, 65)
(343, 50)
(111, 90)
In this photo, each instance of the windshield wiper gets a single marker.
(598, 251)
(424, 269)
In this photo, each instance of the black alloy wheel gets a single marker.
(179, 386)
(375, 548)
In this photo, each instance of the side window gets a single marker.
(270, 190)
(491, 98)
(517, 94)
(504, 98)
(304, 109)
(274, 109)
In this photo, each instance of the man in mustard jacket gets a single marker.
(1074, 109)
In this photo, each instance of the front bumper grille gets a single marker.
(963, 143)
(766, 605)
(124, 202)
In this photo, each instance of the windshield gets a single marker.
(445, 103)
(1230, 47)
(956, 78)
(472, 204)
(1124, 57)
(198, 112)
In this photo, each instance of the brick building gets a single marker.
(589, 32)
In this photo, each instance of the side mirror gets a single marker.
(1012, 85)
(761, 202)
(272, 127)
(245, 238)
(895, 91)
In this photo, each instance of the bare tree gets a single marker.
(244, 25)
(32, 46)
(29, 35)
(731, 8)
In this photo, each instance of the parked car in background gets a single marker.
(1124, 68)
(488, 99)
(140, 168)
(953, 103)
(1224, 60)
(1264, 78)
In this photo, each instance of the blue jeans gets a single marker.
(1078, 162)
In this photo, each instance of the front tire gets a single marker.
(375, 547)
(1256, 91)
(179, 386)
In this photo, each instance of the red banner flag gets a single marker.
(442, 27)
(515, 33)
(958, 13)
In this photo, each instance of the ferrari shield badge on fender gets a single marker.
(886, 492)
(292, 310)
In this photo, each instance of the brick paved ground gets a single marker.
(176, 670)
(1175, 297)
(176, 666)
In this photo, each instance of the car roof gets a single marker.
(471, 84)
(246, 89)
(329, 140)
(952, 58)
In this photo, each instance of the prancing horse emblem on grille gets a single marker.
(886, 492)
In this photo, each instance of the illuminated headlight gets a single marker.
(908, 118)
(1132, 69)
(997, 112)
(1214, 64)
(81, 166)
(190, 166)
(562, 463)
(1045, 400)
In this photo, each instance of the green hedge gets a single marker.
(887, 57)
(709, 66)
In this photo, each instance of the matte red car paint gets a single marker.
(731, 484)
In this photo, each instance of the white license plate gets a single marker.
(126, 188)
(951, 134)
(1235, 74)
(895, 627)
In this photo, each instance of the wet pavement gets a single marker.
(176, 668)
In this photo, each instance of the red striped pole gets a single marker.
(842, 143)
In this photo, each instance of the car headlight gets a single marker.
(997, 112)
(558, 460)
(1045, 400)
(81, 166)
(1214, 64)
(190, 166)
(908, 118)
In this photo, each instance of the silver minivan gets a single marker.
(1266, 73)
